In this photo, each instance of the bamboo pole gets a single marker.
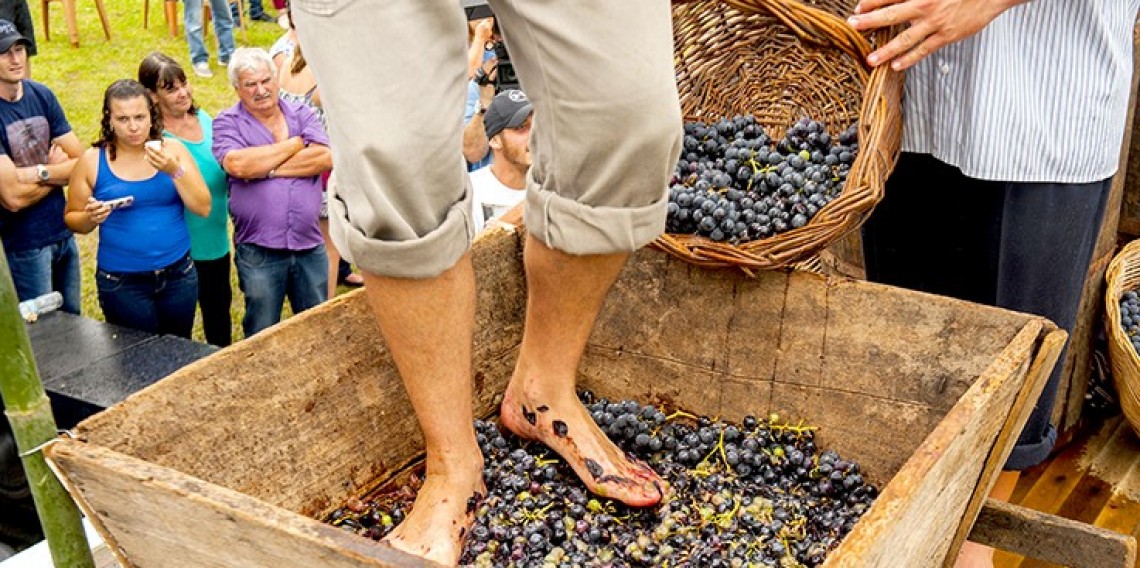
(29, 412)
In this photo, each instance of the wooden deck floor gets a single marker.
(1094, 479)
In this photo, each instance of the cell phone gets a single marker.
(120, 202)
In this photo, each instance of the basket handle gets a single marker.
(811, 24)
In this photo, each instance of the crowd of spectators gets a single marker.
(165, 181)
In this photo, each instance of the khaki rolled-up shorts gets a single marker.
(393, 77)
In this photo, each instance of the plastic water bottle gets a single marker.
(30, 310)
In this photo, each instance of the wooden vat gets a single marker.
(229, 461)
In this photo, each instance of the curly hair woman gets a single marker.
(133, 186)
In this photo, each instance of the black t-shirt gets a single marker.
(28, 127)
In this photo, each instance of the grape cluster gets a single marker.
(1130, 317)
(756, 493)
(734, 184)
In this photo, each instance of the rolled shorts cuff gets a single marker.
(579, 228)
(424, 257)
(1027, 455)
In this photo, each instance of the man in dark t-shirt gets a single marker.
(37, 152)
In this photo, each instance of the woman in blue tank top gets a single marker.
(133, 187)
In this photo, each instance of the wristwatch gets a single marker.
(42, 172)
(481, 76)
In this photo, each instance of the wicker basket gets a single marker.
(781, 60)
(1123, 275)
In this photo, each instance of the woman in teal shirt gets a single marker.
(209, 236)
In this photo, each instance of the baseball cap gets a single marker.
(509, 109)
(9, 36)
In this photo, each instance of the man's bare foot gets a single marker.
(441, 516)
(566, 427)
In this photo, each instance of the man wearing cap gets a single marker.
(605, 139)
(37, 153)
(16, 11)
(502, 185)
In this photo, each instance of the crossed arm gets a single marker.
(21, 187)
(287, 158)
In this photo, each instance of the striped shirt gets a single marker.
(1039, 95)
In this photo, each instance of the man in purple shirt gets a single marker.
(274, 153)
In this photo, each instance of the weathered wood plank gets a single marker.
(1057, 539)
(1015, 418)
(164, 518)
(943, 473)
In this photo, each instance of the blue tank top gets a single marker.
(148, 235)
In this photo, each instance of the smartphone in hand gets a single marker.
(120, 202)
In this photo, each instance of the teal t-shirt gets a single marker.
(209, 236)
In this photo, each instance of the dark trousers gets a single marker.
(1021, 246)
(256, 9)
(155, 301)
(214, 297)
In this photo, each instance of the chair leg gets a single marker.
(207, 15)
(103, 19)
(44, 12)
(171, 7)
(72, 23)
(146, 13)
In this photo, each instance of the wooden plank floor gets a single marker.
(1094, 479)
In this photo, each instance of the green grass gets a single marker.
(80, 75)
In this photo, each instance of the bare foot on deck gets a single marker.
(441, 516)
(566, 427)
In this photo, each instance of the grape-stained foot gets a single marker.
(566, 427)
(440, 519)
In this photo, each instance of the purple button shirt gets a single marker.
(281, 212)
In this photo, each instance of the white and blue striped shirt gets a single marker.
(1039, 95)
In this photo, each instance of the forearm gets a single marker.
(311, 161)
(474, 139)
(59, 174)
(194, 193)
(79, 222)
(258, 161)
(475, 52)
(17, 195)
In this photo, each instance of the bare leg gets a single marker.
(334, 257)
(974, 555)
(427, 325)
(565, 294)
